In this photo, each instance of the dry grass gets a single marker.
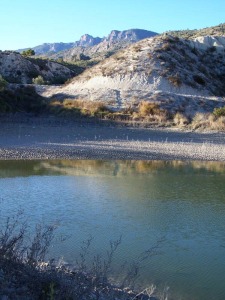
(151, 112)
(180, 119)
(146, 112)
(78, 106)
(208, 121)
(148, 108)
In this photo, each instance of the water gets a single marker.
(180, 204)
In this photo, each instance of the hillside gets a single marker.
(162, 69)
(16, 68)
(218, 30)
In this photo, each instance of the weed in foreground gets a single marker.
(25, 273)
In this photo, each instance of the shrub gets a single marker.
(219, 112)
(38, 80)
(28, 52)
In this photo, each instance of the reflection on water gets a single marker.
(142, 200)
(100, 167)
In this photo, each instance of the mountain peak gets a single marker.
(87, 40)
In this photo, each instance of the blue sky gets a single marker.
(28, 23)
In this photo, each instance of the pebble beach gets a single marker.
(52, 138)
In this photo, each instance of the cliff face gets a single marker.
(15, 68)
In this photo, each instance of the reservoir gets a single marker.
(177, 206)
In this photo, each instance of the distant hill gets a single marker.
(49, 48)
(90, 46)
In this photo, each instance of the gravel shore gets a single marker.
(52, 138)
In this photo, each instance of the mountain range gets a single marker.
(87, 41)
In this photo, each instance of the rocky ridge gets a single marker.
(218, 30)
(178, 74)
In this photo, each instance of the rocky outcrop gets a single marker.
(87, 40)
(15, 68)
(206, 42)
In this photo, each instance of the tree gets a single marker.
(28, 52)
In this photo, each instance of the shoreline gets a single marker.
(54, 138)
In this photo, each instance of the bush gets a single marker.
(28, 52)
(219, 112)
(38, 80)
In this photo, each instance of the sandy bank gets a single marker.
(51, 138)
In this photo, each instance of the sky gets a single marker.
(28, 23)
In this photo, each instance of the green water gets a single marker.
(182, 204)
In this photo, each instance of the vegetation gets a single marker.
(38, 80)
(180, 119)
(28, 52)
(22, 99)
(187, 34)
(78, 107)
(219, 112)
(24, 273)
